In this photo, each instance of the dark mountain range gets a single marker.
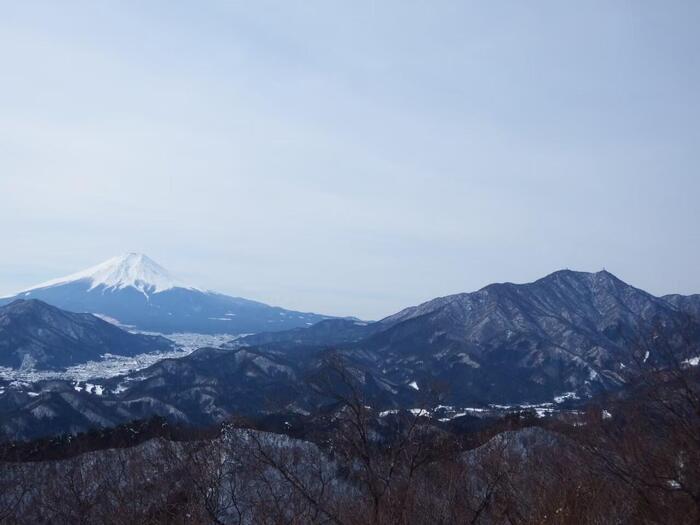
(135, 291)
(690, 304)
(569, 331)
(36, 335)
(324, 333)
(569, 335)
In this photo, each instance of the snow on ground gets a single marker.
(415, 411)
(566, 395)
(445, 413)
(115, 365)
(693, 361)
(462, 413)
(94, 389)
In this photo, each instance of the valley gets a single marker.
(546, 347)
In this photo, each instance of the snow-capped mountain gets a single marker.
(135, 291)
(133, 270)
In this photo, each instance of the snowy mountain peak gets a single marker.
(133, 270)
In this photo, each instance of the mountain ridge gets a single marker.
(569, 335)
(34, 334)
(564, 332)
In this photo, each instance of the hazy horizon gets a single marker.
(351, 159)
(183, 283)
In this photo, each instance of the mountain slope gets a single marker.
(137, 292)
(327, 332)
(36, 335)
(567, 335)
(569, 331)
(133, 270)
(690, 304)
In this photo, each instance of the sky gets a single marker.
(351, 158)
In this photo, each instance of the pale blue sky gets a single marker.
(351, 157)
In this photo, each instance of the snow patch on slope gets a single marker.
(693, 361)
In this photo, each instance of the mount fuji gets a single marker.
(134, 291)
